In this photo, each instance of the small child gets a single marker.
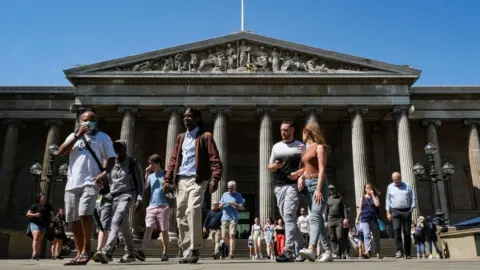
(250, 247)
(420, 237)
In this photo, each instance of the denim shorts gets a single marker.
(35, 228)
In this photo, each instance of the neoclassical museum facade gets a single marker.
(375, 121)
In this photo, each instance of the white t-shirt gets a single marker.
(82, 168)
(304, 224)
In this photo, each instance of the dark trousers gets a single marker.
(402, 222)
(335, 234)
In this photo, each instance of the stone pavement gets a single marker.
(250, 265)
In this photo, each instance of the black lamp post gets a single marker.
(447, 170)
(54, 174)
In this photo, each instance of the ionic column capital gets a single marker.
(400, 109)
(81, 108)
(221, 109)
(15, 122)
(435, 122)
(352, 110)
(266, 109)
(132, 109)
(311, 109)
(471, 122)
(170, 109)
(53, 122)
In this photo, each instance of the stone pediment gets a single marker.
(242, 53)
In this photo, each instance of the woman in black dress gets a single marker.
(40, 214)
(58, 227)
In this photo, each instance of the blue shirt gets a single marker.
(188, 167)
(157, 197)
(230, 212)
(400, 197)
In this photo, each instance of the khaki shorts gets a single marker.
(229, 227)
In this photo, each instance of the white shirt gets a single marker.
(82, 168)
(188, 167)
(304, 224)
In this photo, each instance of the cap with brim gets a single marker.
(331, 187)
(121, 143)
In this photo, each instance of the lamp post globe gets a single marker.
(418, 170)
(53, 149)
(448, 170)
(430, 149)
(63, 170)
(36, 169)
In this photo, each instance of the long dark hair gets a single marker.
(375, 190)
(197, 114)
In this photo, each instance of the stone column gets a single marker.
(266, 188)
(174, 128)
(7, 169)
(53, 137)
(359, 152)
(405, 151)
(432, 137)
(311, 114)
(127, 134)
(474, 156)
(220, 137)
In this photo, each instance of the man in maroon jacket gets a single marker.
(194, 165)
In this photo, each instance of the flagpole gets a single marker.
(243, 4)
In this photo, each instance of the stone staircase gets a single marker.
(241, 250)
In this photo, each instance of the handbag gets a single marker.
(28, 232)
(380, 223)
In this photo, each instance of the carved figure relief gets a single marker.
(243, 57)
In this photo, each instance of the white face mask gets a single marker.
(91, 124)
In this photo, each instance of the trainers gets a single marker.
(192, 257)
(127, 258)
(139, 255)
(164, 257)
(398, 255)
(299, 258)
(307, 254)
(230, 257)
(216, 255)
(287, 256)
(326, 257)
(104, 257)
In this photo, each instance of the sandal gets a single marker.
(84, 259)
(72, 262)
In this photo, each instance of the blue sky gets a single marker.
(39, 39)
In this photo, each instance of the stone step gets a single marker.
(241, 251)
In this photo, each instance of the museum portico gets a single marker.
(246, 84)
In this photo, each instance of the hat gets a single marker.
(120, 142)
(331, 187)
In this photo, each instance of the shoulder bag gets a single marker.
(381, 224)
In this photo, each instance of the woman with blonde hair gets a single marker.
(314, 179)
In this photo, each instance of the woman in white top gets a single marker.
(269, 231)
(257, 235)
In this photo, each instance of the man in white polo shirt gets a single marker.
(88, 149)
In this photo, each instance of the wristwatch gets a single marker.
(76, 136)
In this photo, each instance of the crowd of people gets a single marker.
(105, 184)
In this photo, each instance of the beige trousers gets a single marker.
(216, 236)
(189, 212)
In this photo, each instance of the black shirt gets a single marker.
(291, 156)
(213, 221)
(44, 210)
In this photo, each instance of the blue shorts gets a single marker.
(35, 228)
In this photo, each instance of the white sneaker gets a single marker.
(326, 257)
(307, 253)
(430, 257)
(418, 256)
(438, 257)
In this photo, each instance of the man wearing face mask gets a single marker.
(88, 149)
(194, 166)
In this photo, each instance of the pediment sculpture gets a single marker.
(243, 57)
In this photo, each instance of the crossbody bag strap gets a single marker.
(89, 148)
(371, 207)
